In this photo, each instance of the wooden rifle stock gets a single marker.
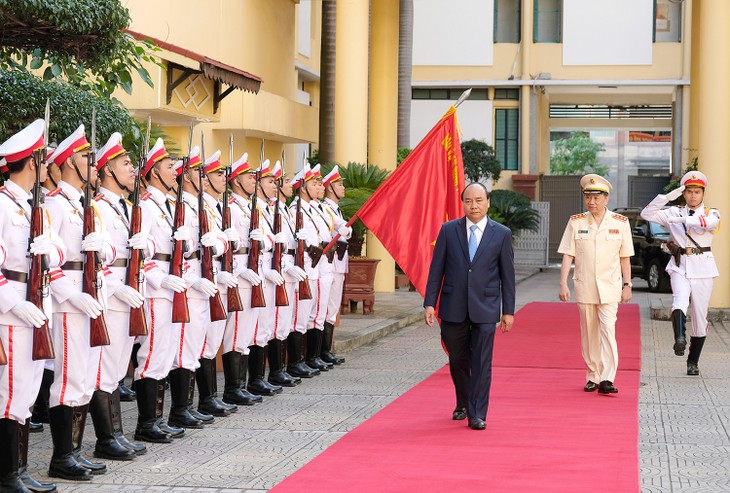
(137, 318)
(180, 311)
(42, 344)
(233, 297)
(305, 292)
(281, 298)
(217, 310)
(99, 335)
(257, 292)
(3, 356)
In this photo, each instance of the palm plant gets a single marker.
(513, 210)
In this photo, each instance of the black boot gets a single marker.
(9, 461)
(214, 386)
(63, 462)
(77, 438)
(296, 365)
(314, 348)
(137, 448)
(179, 415)
(205, 376)
(173, 431)
(204, 417)
(148, 429)
(693, 359)
(244, 382)
(277, 375)
(125, 393)
(28, 481)
(678, 324)
(327, 339)
(107, 446)
(256, 368)
(232, 392)
(283, 347)
(40, 408)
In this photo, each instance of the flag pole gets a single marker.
(464, 96)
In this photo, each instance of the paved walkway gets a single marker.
(684, 441)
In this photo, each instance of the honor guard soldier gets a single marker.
(158, 348)
(292, 275)
(240, 326)
(692, 268)
(304, 183)
(334, 191)
(601, 244)
(117, 175)
(76, 362)
(20, 376)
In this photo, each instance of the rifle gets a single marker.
(233, 297)
(99, 335)
(180, 311)
(217, 310)
(257, 292)
(38, 275)
(137, 319)
(281, 298)
(305, 292)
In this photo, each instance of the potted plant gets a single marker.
(513, 210)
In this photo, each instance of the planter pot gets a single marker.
(359, 285)
(401, 281)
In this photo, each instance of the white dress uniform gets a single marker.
(304, 308)
(215, 330)
(264, 330)
(325, 224)
(340, 264)
(597, 250)
(283, 314)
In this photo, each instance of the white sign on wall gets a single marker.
(457, 32)
(474, 117)
(607, 32)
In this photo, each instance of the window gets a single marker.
(548, 18)
(667, 17)
(507, 21)
(506, 137)
(449, 94)
(510, 94)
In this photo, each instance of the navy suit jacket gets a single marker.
(482, 289)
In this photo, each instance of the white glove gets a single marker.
(138, 241)
(94, 242)
(29, 313)
(175, 283)
(297, 272)
(227, 279)
(273, 276)
(256, 235)
(302, 234)
(674, 194)
(209, 239)
(345, 231)
(183, 233)
(41, 245)
(677, 220)
(86, 304)
(280, 238)
(205, 286)
(129, 295)
(250, 276)
(232, 235)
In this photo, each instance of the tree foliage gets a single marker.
(513, 209)
(480, 162)
(577, 155)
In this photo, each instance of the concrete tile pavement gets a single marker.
(684, 442)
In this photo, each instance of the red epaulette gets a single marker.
(98, 196)
(576, 216)
(53, 193)
(2, 188)
(619, 217)
(146, 196)
(231, 200)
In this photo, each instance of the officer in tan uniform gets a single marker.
(600, 242)
(692, 267)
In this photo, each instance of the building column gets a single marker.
(714, 128)
(383, 115)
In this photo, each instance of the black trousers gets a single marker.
(470, 346)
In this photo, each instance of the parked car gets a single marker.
(650, 253)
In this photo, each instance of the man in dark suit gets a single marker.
(472, 276)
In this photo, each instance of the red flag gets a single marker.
(406, 212)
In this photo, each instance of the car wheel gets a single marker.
(656, 277)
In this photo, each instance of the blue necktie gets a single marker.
(473, 242)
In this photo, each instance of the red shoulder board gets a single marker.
(146, 196)
(2, 188)
(619, 217)
(231, 200)
(576, 216)
(98, 196)
(53, 193)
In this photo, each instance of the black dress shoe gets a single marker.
(590, 386)
(35, 427)
(459, 414)
(692, 369)
(607, 387)
(477, 424)
(125, 393)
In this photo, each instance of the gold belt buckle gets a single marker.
(691, 251)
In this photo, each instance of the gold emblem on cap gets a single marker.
(694, 177)
(593, 181)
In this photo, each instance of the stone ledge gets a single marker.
(373, 332)
(660, 311)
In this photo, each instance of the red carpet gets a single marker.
(544, 434)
